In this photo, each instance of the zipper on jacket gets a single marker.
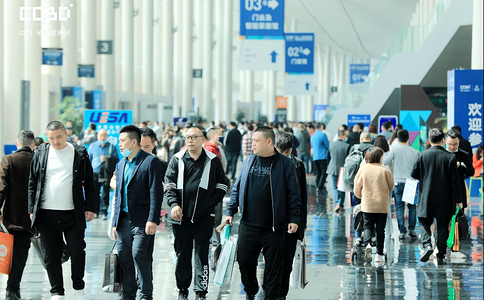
(243, 190)
(196, 201)
(272, 199)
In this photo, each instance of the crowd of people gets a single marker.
(55, 187)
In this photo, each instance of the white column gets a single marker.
(177, 58)
(318, 73)
(167, 49)
(219, 100)
(117, 50)
(2, 115)
(227, 59)
(69, 44)
(197, 45)
(187, 58)
(137, 51)
(476, 56)
(127, 50)
(157, 46)
(292, 108)
(326, 86)
(207, 103)
(33, 62)
(342, 71)
(271, 95)
(13, 68)
(106, 68)
(88, 40)
(146, 18)
(249, 81)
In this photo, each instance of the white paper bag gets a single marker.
(298, 274)
(410, 194)
(225, 265)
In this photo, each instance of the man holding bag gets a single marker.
(439, 193)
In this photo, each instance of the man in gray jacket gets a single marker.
(403, 157)
(337, 152)
(302, 136)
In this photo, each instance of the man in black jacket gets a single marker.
(195, 183)
(463, 143)
(61, 199)
(233, 144)
(284, 143)
(267, 195)
(14, 181)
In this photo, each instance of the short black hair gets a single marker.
(318, 125)
(132, 131)
(362, 126)
(55, 125)
(387, 125)
(202, 130)
(341, 133)
(457, 128)
(25, 138)
(267, 133)
(452, 133)
(381, 142)
(345, 127)
(233, 124)
(402, 135)
(92, 126)
(250, 127)
(145, 131)
(284, 141)
(38, 141)
(436, 135)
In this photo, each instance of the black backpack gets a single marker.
(352, 165)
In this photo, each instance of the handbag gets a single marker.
(40, 249)
(464, 232)
(112, 272)
(410, 192)
(226, 261)
(298, 275)
(6, 250)
(342, 185)
(450, 239)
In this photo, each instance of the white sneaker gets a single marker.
(80, 295)
(368, 253)
(379, 258)
(57, 297)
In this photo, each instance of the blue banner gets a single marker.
(300, 53)
(383, 119)
(320, 112)
(359, 73)
(180, 121)
(261, 18)
(109, 120)
(464, 103)
(97, 96)
(9, 149)
(355, 119)
(52, 57)
(85, 71)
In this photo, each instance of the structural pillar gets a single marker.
(207, 103)
(476, 56)
(106, 68)
(227, 60)
(88, 40)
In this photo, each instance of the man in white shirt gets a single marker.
(61, 199)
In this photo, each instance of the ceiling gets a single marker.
(377, 22)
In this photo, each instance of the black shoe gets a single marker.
(12, 295)
(426, 254)
(105, 217)
(201, 296)
(183, 294)
(440, 261)
(249, 297)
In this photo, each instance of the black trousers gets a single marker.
(442, 234)
(320, 167)
(369, 221)
(232, 158)
(290, 244)
(52, 225)
(185, 235)
(251, 241)
(21, 246)
(103, 203)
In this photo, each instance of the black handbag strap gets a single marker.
(112, 249)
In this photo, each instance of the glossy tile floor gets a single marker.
(332, 270)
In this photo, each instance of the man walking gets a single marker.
(104, 157)
(266, 193)
(14, 182)
(439, 193)
(137, 208)
(233, 144)
(304, 142)
(62, 198)
(403, 156)
(195, 184)
(337, 152)
(320, 146)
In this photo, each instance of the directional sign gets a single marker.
(85, 71)
(359, 73)
(355, 119)
(52, 56)
(263, 54)
(259, 18)
(180, 121)
(300, 53)
(299, 84)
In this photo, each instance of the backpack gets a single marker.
(352, 165)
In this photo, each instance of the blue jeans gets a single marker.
(304, 156)
(135, 248)
(339, 196)
(400, 209)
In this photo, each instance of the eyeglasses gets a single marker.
(192, 137)
(452, 145)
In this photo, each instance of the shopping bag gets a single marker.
(342, 185)
(450, 239)
(40, 250)
(112, 273)
(456, 246)
(464, 232)
(225, 234)
(410, 192)
(298, 274)
(6, 250)
(225, 265)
